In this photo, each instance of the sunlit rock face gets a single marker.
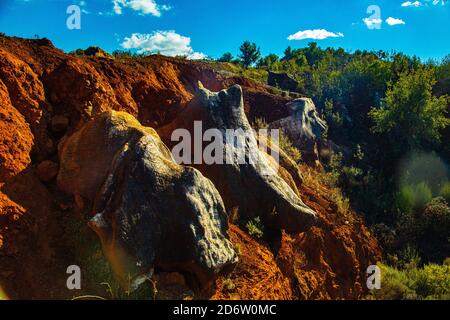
(254, 187)
(149, 212)
(304, 127)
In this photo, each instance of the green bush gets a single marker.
(229, 285)
(406, 199)
(427, 229)
(395, 285)
(413, 197)
(255, 228)
(288, 147)
(434, 230)
(430, 282)
(445, 191)
(410, 112)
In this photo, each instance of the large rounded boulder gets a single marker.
(149, 212)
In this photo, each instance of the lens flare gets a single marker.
(421, 167)
(3, 295)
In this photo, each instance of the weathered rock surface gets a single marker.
(282, 81)
(304, 127)
(250, 187)
(150, 213)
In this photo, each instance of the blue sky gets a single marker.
(200, 27)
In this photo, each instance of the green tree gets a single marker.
(410, 112)
(268, 61)
(288, 53)
(250, 53)
(227, 57)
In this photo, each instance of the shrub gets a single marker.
(255, 228)
(410, 112)
(413, 197)
(434, 230)
(445, 191)
(229, 285)
(433, 281)
(409, 258)
(258, 75)
(423, 195)
(324, 180)
(385, 235)
(288, 147)
(395, 285)
(259, 123)
(226, 57)
(430, 282)
(405, 199)
(428, 230)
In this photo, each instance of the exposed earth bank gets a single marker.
(46, 95)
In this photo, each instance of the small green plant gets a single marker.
(259, 123)
(414, 197)
(229, 285)
(288, 147)
(409, 258)
(445, 191)
(238, 249)
(255, 228)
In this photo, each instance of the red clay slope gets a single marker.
(39, 82)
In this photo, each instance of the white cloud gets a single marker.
(394, 21)
(168, 43)
(411, 4)
(316, 34)
(371, 23)
(143, 7)
(82, 4)
(197, 56)
(427, 3)
(442, 2)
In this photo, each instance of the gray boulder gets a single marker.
(304, 127)
(149, 212)
(282, 81)
(253, 187)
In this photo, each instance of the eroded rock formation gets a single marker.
(150, 213)
(304, 127)
(37, 239)
(252, 187)
(282, 81)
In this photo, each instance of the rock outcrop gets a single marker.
(304, 127)
(282, 81)
(248, 178)
(150, 213)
